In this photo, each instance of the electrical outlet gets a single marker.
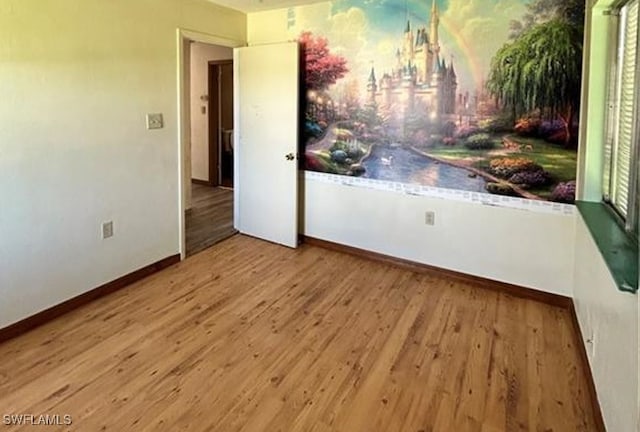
(155, 121)
(107, 230)
(430, 218)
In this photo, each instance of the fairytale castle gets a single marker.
(419, 79)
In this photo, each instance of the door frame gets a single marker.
(214, 116)
(183, 120)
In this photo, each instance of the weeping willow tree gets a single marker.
(541, 69)
(540, 11)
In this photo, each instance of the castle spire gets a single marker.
(435, 23)
(452, 70)
(408, 48)
(434, 41)
(372, 75)
(372, 86)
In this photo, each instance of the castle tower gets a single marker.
(372, 87)
(408, 86)
(386, 87)
(422, 56)
(438, 84)
(434, 39)
(428, 58)
(435, 70)
(451, 86)
(407, 49)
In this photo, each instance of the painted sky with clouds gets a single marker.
(368, 32)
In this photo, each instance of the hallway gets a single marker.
(210, 218)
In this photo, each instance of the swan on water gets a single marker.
(386, 161)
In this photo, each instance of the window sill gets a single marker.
(618, 248)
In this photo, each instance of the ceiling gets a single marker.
(261, 5)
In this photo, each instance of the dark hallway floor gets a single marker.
(210, 219)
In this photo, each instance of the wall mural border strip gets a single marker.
(537, 206)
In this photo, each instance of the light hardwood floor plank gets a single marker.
(210, 219)
(251, 336)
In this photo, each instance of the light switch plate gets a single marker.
(155, 121)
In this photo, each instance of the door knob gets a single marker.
(290, 156)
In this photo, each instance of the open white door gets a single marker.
(266, 142)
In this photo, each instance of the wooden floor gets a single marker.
(210, 219)
(250, 336)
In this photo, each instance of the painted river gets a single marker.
(404, 166)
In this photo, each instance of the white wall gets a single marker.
(201, 55)
(76, 80)
(521, 247)
(609, 323)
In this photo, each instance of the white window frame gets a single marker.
(612, 180)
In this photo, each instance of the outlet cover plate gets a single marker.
(107, 230)
(430, 218)
(155, 121)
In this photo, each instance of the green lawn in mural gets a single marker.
(464, 94)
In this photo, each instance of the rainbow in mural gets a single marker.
(475, 95)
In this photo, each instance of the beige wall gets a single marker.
(201, 55)
(76, 80)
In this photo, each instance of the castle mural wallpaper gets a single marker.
(473, 95)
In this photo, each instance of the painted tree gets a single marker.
(322, 68)
(541, 69)
(541, 11)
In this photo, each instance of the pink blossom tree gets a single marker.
(322, 67)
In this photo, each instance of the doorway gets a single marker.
(221, 123)
(208, 93)
(264, 114)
